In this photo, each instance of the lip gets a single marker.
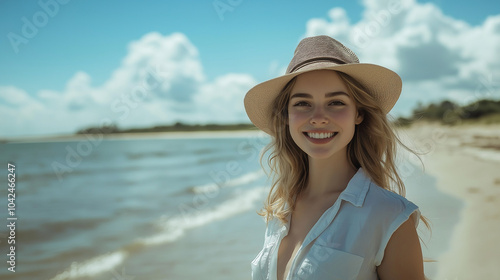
(320, 141)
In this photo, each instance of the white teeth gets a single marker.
(320, 135)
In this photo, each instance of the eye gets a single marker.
(300, 104)
(337, 103)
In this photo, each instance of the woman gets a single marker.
(333, 211)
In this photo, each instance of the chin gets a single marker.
(320, 154)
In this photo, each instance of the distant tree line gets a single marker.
(448, 112)
(177, 127)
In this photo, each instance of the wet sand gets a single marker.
(465, 160)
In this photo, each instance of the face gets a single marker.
(321, 114)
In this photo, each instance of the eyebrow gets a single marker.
(327, 95)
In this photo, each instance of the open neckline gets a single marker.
(293, 257)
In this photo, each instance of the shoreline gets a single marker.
(483, 129)
(459, 193)
(465, 160)
(138, 135)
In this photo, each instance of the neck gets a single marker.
(328, 176)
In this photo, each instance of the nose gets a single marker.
(319, 117)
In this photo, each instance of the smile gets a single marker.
(320, 135)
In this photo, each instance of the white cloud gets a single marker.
(338, 23)
(13, 96)
(222, 100)
(159, 81)
(275, 69)
(437, 56)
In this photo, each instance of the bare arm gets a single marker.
(403, 255)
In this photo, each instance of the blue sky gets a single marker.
(84, 57)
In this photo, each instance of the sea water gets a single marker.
(156, 208)
(113, 209)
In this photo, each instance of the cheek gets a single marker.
(295, 118)
(344, 116)
(295, 122)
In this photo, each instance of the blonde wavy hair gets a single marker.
(373, 147)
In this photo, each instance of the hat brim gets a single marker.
(383, 84)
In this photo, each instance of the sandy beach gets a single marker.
(465, 160)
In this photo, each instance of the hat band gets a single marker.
(315, 60)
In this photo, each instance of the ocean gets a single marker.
(178, 207)
(145, 208)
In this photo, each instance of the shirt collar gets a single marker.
(355, 193)
(356, 189)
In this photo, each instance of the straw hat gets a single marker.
(323, 52)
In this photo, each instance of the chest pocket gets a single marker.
(323, 262)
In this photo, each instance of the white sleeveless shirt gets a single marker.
(347, 242)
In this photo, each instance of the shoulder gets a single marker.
(392, 212)
(380, 201)
(402, 256)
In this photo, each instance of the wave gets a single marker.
(174, 228)
(93, 266)
(171, 229)
(170, 153)
(210, 187)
